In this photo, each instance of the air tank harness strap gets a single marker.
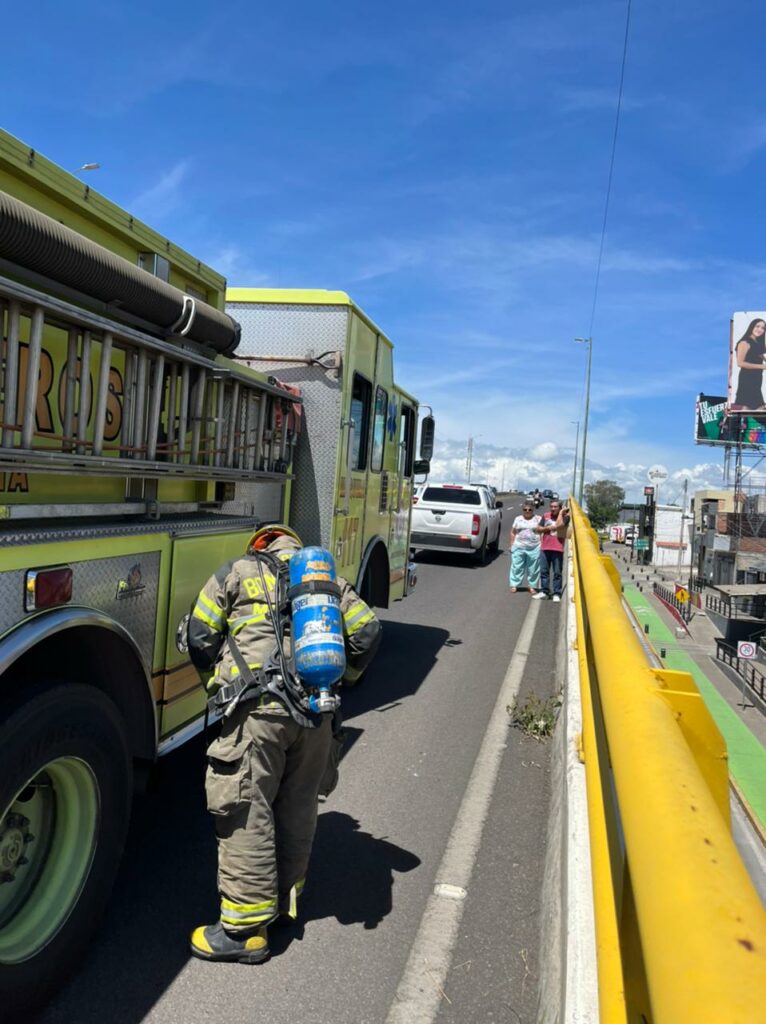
(255, 683)
(314, 587)
(252, 684)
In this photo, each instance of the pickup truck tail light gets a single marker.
(475, 526)
(414, 501)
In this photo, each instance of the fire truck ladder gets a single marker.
(150, 407)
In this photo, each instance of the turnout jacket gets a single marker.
(234, 601)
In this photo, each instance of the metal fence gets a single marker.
(668, 596)
(745, 669)
(745, 606)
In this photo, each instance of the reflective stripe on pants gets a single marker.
(262, 787)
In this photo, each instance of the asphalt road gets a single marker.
(415, 728)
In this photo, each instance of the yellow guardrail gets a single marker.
(680, 930)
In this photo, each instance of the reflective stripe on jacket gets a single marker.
(234, 601)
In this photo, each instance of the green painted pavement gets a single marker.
(747, 756)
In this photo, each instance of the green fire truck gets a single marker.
(147, 427)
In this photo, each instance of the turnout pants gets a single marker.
(262, 784)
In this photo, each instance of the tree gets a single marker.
(604, 500)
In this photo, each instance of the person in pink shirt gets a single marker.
(553, 530)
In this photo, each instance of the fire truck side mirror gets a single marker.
(422, 467)
(427, 431)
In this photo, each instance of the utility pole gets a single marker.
(574, 471)
(469, 460)
(502, 480)
(681, 536)
(589, 343)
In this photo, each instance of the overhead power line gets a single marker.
(611, 169)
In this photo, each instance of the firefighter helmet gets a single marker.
(264, 536)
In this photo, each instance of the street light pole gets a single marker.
(589, 343)
(577, 442)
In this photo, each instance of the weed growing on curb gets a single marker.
(535, 717)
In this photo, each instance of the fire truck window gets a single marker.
(154, 264)
(408, 438)
(379, 430)
(361, 400)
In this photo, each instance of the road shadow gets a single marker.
(166, 883)
(165, 886)
(351, 878)
(456, 561)
(406, 656)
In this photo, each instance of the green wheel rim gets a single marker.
(48, 837)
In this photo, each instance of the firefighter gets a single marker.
(273, 757)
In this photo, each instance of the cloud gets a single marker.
(549, 465)
(164, 196)
(238, 268)
(544, 452)
(576, 100)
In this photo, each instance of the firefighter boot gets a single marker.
(212, 942)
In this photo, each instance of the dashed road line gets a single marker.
(421, 987)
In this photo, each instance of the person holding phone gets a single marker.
(553, 531)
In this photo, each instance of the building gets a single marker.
(729, 544)
(673, 531)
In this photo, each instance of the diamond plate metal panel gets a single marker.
(25, 534)
(298, 331)
(262, 501)
(124, 587)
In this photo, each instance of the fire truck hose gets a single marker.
(38, 243)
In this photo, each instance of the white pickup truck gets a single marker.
(456, 517)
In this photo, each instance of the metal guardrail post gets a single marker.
(692, 929)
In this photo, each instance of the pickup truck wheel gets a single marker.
(481, 553)
(65, 789)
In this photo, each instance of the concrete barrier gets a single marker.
(568, 976)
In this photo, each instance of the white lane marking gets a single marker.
(421, 988)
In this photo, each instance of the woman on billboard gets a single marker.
(750, 352)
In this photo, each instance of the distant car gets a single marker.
(456, 517)
(554, 496)
(547, 493)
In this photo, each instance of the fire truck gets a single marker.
(146, 428)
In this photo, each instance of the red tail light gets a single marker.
(45, 588)
(475, 526)
(414, 501)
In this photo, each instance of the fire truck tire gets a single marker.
(65, 791)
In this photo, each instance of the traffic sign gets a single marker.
(682, 594)
(641, 544)
(746, 649)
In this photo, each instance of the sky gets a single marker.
(446, 165)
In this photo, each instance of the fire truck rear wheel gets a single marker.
(65, 789)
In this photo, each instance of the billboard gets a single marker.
(747, 361)
(715, 423)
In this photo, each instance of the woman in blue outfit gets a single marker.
(525, 549)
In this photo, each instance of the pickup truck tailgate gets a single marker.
(448, 516)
